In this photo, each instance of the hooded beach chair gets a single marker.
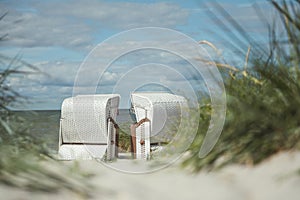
(158, 116)
(88, 128)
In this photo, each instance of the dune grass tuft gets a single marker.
(263, 100)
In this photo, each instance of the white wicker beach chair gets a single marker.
(158, 116)
(88, 128)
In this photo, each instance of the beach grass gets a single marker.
(263, 99)
(26, 162)
(263, 117)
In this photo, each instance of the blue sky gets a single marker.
(57, 35)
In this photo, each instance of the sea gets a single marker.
(44, 124)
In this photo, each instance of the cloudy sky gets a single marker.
(56, 36)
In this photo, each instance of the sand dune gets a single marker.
(276, 178)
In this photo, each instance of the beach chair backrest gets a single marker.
(85, 125)
(164, 111)
(84, 118)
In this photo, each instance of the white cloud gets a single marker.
(251, 16)
(33, 29)
(50, 89)
(110, 77)
(75, 24)
(123, 14)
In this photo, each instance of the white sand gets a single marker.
(274, 179)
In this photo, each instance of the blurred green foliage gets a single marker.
(263, 100)
(124, 137)
(25, 161)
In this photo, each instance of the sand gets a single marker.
(276, 178)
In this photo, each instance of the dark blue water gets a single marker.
(45, 124)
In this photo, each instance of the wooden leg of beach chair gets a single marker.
(117, 143)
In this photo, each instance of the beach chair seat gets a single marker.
(87, 127)
(158, 117)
